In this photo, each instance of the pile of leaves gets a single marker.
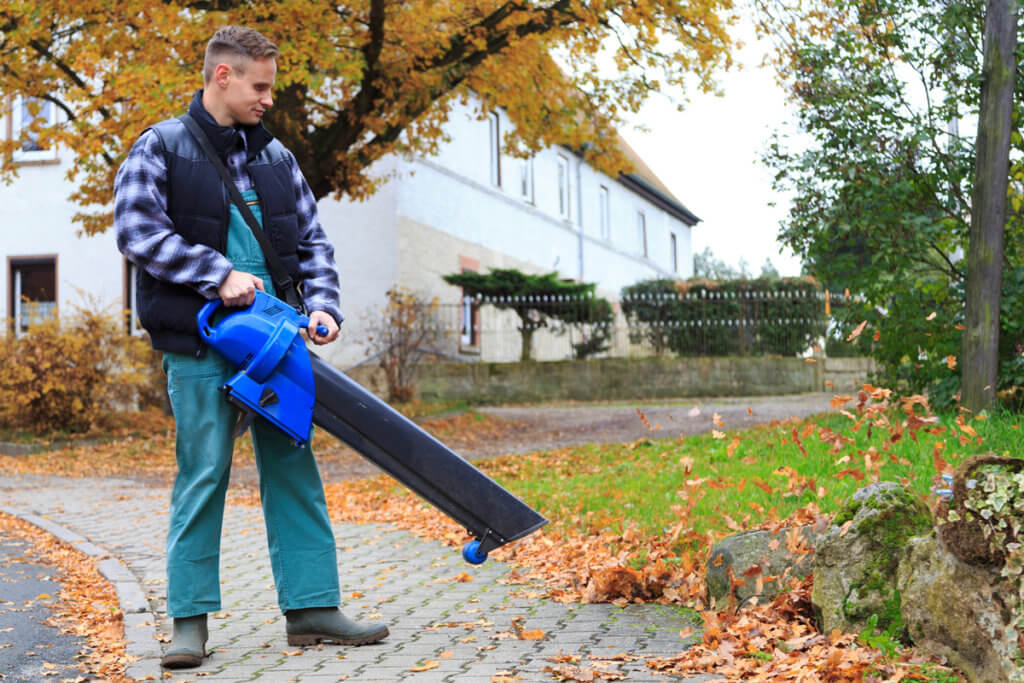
(779, 641)
(87, 605)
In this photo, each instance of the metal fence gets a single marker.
(705, 323)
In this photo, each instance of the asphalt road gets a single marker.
(31, 649)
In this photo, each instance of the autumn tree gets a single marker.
(356, 81)
(882, 176)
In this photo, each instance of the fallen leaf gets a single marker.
(426, 666)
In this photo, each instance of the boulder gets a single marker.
(856, 560)
(759, 563)
(960, 611)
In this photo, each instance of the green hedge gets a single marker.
(733, 318)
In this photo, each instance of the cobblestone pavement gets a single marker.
(455, 630)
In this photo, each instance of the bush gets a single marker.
(71, 375)
(405, 333)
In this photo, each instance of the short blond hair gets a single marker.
(235, 45)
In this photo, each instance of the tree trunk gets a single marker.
(527, 331)
(980, 362)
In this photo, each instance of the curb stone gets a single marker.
(140, 635)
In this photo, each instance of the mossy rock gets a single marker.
(857, 559)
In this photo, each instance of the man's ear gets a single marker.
(222, 74)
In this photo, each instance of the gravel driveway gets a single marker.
(557, 425)
(541, 427)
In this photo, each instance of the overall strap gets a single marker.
(282, 281)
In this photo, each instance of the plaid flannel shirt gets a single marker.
(146, 236)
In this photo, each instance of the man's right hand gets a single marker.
(239, 289)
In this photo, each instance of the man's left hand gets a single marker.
(325, 319)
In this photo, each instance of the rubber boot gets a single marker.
(188, 643)
(327, 624)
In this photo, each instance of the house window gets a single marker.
(563, 187)
(469, 323)
(33, 288)
(641, 232)
(131, 282)
(603, 210)
(495, 147)
(675, 254)
(28, 116)
(526, 179)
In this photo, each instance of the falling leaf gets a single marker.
(717, 420)
(931, 316)
(694, 412)
(715, 434)
(857, 330)
(951, 361)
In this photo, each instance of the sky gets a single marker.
(709, 157)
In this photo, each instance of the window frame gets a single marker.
(15, 126)
(564, 189)
(132, 324)
(526, 191)
(494, 145)
(15, 264)
(674, 246)
(604, 212)
(641, 232)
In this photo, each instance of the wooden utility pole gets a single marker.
(980, 362)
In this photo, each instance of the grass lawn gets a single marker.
(742, 479)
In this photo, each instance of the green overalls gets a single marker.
(299, 535)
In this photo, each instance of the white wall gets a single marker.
(452, 191)
(35, 219)
(364, 238)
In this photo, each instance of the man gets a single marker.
(175, 221)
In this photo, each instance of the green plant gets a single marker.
(886, 642)
(734, 317)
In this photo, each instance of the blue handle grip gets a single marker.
(210, 307)
(321, 330)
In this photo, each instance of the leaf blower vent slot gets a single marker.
(273, 309)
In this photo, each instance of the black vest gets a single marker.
(197, 204)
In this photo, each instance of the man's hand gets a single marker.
(239, 289)
(325, 319)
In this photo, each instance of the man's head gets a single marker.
(238, 75)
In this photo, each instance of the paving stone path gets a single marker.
(466, 627)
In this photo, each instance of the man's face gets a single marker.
(248, 94)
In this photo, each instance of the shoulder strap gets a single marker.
(282, 281)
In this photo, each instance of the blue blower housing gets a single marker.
(275, 378)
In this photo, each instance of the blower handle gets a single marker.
(210, 307)
(203, 318)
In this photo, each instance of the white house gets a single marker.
(470, 207)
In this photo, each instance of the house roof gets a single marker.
(645, 182)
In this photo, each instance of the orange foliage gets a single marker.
(72, 374)
(360, 80)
